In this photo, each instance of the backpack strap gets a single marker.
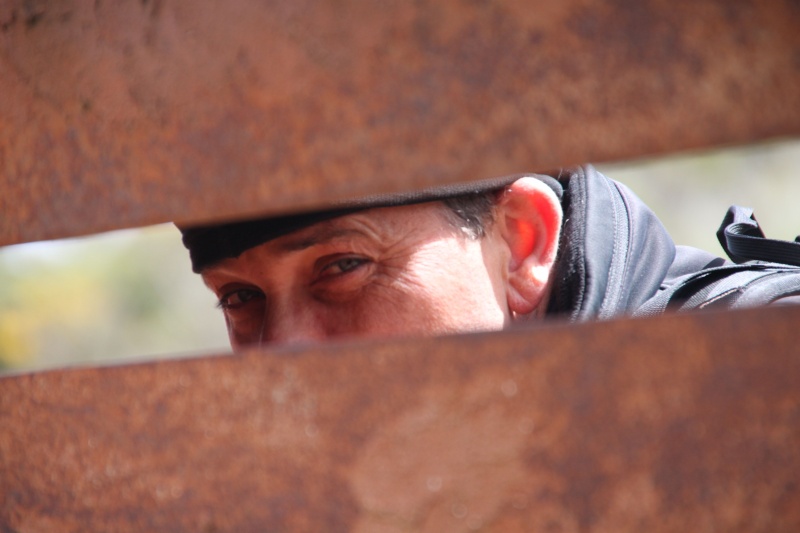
(730, 286)
(767, 270)
(743, 240)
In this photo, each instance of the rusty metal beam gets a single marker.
(118, 114)
(667, 424)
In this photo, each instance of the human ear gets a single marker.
(529, 217)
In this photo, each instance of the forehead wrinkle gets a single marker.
(325, 233)
(386, 225)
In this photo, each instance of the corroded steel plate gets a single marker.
(118, 114)
(676, 423)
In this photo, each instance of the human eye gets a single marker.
(342, 266)
(238, 298)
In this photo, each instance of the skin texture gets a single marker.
(391, 272)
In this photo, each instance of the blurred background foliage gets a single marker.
(129, 295)
(112, 297)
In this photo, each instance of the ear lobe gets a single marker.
(530, 217)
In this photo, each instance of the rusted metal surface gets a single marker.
(117, 114)
(677, 423)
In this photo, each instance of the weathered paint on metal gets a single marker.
(119, 114)
(675, 423)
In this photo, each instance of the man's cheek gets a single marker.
(244, 330)
(392, 309)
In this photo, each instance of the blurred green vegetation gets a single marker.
(116, 296)
(131, 294)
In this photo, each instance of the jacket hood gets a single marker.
(614, 252)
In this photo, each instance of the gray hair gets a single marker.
(473, 212)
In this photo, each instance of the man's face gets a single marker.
(379, 273)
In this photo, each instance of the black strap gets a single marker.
(743, 240)
(744, 285)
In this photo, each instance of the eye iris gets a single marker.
(238, 298)
(245, 296)
(348, 264)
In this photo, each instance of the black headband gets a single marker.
(209, 244)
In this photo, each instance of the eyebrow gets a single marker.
(321, 235)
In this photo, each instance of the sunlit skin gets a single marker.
(391, 272)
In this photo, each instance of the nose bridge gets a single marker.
(291, 322)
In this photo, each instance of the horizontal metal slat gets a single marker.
(126, 114)
(649, 425)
